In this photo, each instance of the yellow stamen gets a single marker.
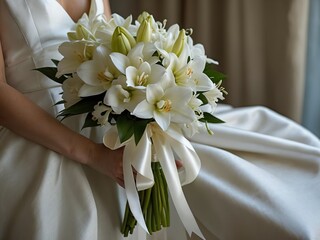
(189, 71)
(105, 77)
(164, 105)
(142, 80)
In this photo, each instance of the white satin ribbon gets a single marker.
(139, 157)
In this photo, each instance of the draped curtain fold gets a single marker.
(260, 45)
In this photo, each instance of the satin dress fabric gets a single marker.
(259, 177)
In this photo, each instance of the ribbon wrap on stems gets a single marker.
(139, 156)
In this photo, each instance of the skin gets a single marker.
(75, 8)
(65, 141)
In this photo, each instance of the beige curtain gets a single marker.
(259, 44)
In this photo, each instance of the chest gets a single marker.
(75, 8)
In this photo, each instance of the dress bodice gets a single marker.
(31, 31)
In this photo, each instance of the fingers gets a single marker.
(179, 164)
(120, 177)
(120, 181)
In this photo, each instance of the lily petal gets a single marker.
(163, 119)
(202, 82)
(88, 90)
(144, 110)
(154, 92)
(131, 73)
(120, 61)
(88, 72)
(183, 114)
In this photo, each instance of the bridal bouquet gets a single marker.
(152, 87)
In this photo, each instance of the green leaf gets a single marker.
(60, 102)
(56, 62)
(214, 75)
(125, 127)
(210, 118)
(203, 98)
(89, 122)
(139, 126)
(51, 72)
(85, 105)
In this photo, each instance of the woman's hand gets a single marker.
(108, 162)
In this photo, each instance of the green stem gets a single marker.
(146, 201)
(156, 204)
(165, 191)
(125, 219)
(161, 200)
(149, 218)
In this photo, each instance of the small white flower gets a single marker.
(101, 113)
(71, 87)
(192, 128)
(213, 97)
(195, 104)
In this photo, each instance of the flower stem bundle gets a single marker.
(154, 203)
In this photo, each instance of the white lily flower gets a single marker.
(140, 53)
(71, 87)
(165, 40)
(121, 99)
(101, 114)
(199, 81)
(97, 73)
(198, 50)
(87, 27)
(118, 21)
(166, 105)
(188, 74)
(144, 75)
(74, 54)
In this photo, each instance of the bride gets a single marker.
(259, 177)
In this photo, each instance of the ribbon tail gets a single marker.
(131, 191)
(166, 158)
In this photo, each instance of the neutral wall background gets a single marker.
(260, 45)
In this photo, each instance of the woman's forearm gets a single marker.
(28, 120)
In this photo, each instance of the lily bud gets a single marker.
(81, 33)
(143, 16)
(122, 41)
(145, 30)
(72, 36)
(179, 43)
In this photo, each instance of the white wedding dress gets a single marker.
(259, 177)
